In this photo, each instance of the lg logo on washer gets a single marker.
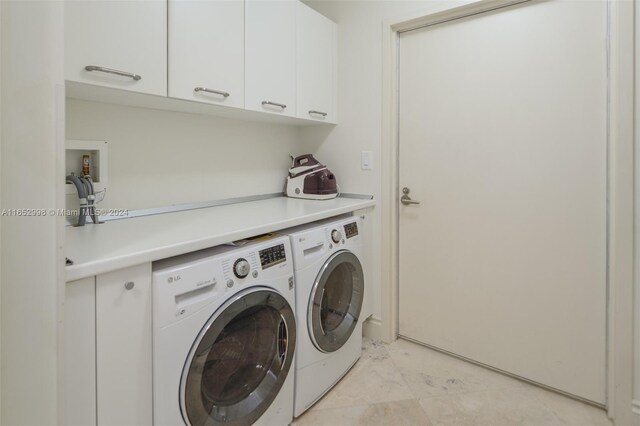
(175, 278)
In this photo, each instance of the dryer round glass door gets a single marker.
(239, 361)
(336, 301)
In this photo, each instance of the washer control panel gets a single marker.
(182, 285)
(238, 268)
(241, 268)
(272, 256)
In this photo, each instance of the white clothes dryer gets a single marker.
(224, 334)
(330, 287)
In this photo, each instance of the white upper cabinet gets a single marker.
(206, 51)
(272, 56)
(316, 59)
(117, 43)
(270, 63)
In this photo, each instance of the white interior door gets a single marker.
(503, 140)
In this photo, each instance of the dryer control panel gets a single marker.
(351, 229)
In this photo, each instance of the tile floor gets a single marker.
(407, 384)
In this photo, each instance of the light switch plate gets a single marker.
(366, 160)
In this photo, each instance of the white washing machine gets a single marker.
(330, 286)
(224, 334)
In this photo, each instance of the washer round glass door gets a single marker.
(336, 301)
(239, 361)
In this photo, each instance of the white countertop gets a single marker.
(117, 244)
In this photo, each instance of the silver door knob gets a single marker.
(405, 199)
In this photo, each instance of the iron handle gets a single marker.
(406, 200)
(216, 92)
(135, 77)
(283, 106)
(324, 114)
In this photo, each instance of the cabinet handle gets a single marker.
(216, 92)
(324, 114)
(283, 106)
(136, 77)
(129, 285)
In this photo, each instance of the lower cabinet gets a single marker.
(80, 352)
(123, 347)
(108, 371)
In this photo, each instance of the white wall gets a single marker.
(360, 106)
(158, 158)
(31, 256)
(360, 26)
(1, 91)
(636, 354)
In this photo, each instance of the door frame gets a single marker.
(620, 182)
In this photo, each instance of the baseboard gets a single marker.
(372, 328)
(635, 407)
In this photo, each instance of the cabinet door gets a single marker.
(206, 51)
(125, 40)
(316, 53)
(80, 352)
(123, 347)
(270, 80)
